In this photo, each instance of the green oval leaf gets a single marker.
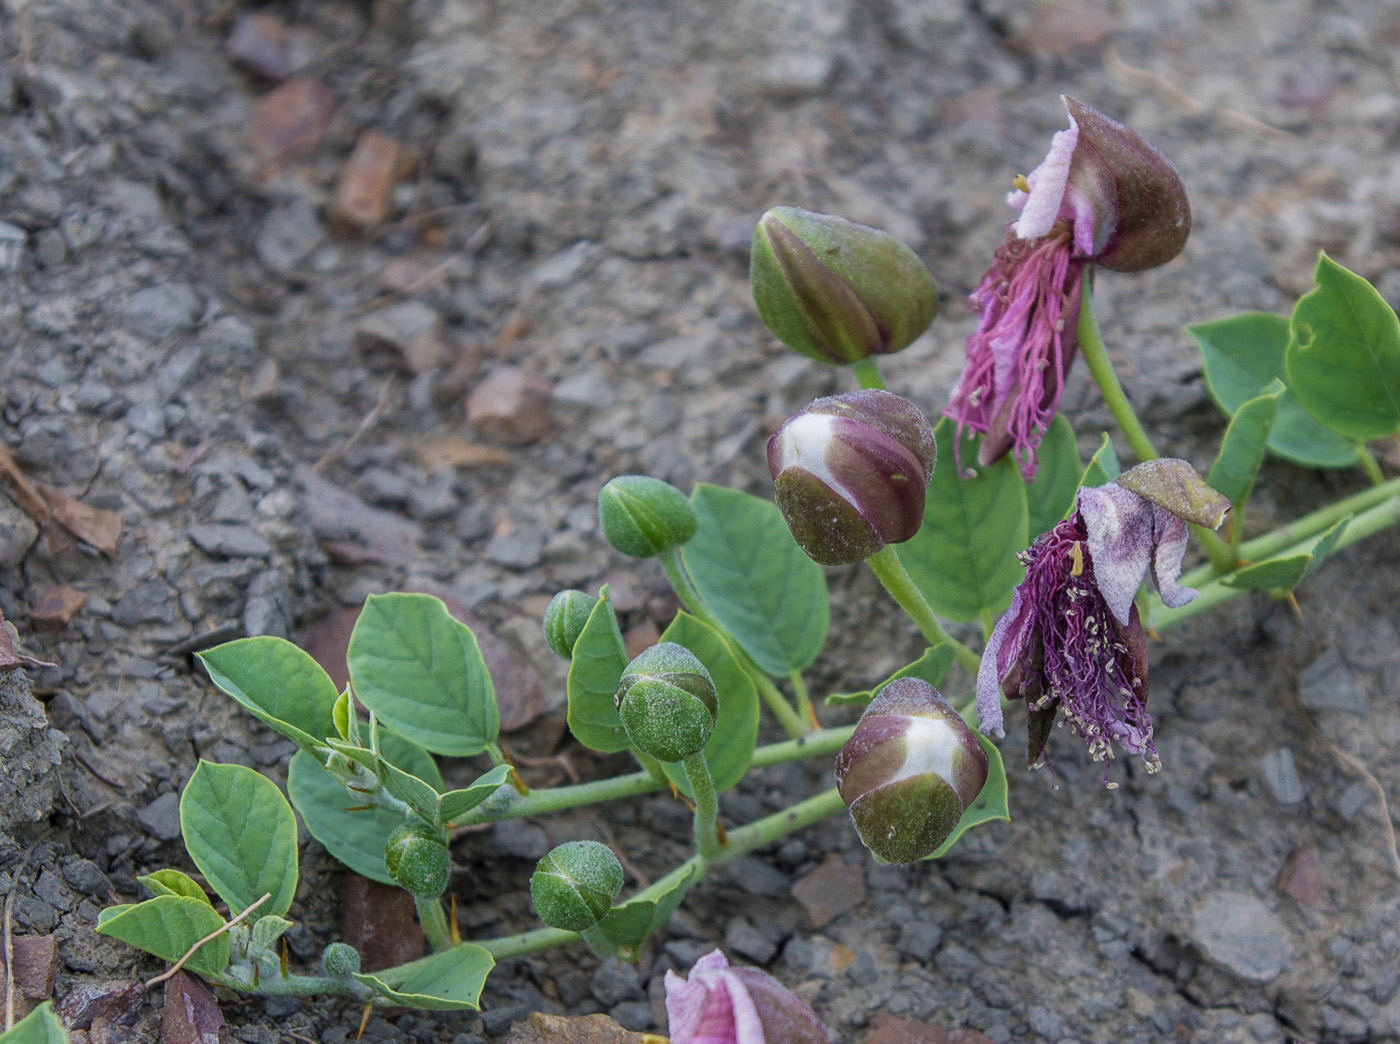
(447, 981)
(1242, 355)
(40, 1026)
(421, 672)
(730, 747)
(174, 882)
(1343, 356)
(1289, 570)
(278, 684)
(759, 584)
(1050, 497)
(988, 806)
(931, 667)
(167, 926)
(459, 802)
(241, 833)
(1102, 468)
(1242, 448)
(963, 557)
(357, 839)
(629, 925)
(594, 674)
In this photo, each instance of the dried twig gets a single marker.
(368, 422)
(10, 959)
(1359, 766)
(1174, 95)
(212, 935)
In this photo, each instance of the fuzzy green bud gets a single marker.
(573, 887)
(417, 859)
(666, 700)
(564, 619)
(642, 517)
(340, 960)
(836, 291)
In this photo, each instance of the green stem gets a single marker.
(867, 373)
(804, 698)
(1370, 465)
(1269, 544)
(434, 922)
(293, 985)
(651, 766)
(1095, 354)
(694, 603)
(506, 803)
(1215, 591)
(890, 571)
(702, 788)
(741, 842)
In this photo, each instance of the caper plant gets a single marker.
(987, 529)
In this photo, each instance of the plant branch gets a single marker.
(212, 935)
(890, 571)
(702, 786)
(867, 372)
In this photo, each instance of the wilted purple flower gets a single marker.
(850, 473)
(909, 771)
(718, 1004)
(1071, 640)
(1102, 196)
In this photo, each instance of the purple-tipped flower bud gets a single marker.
(850, 473)
(836, 291)
(642, 517)
(564, 620)
(667, 703)
(909, 771)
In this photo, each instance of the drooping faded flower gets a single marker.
(1071, 642)
(718, 1004)
(1102, 196)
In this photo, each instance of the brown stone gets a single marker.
(36, 958)
(56, 608)
(888, 1029)
(509, 406)
(830, 890)
(409, 328)
(291, 120)
(191, 1015)
(1301, 878)
(259, 42)
(378, 920)
(640, 638)
(540, 1028)
(363, 194)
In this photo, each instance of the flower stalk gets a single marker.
(890, 571)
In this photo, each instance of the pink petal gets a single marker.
(1119, 525)
(1169, 531)
(989, 673)
(1047, 182)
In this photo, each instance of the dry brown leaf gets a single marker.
(191, 1014)
(451, 451)
(22, 491)
(56, 608)
(96, 526)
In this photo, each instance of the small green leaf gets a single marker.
(421, 672)
(630, 924)
(1102, 468)
(268, 930)
(174, 882)
(1050, 497)
(167, 926)
(1343, 357)
(931, 667)
(730, 747)
(963, 558)
(278, 684)
(241, 833)
(1242, 448)
(347, 722)
(1242, 355)
(1287, 571)
(357, 839)
(40, 1026)
(415, 793)
(594, 674)
(447, 981)
(988, 806)
(760, 585)
(457, 803)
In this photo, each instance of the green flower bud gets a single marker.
(417, 859)
(667, 703)
(340, 959)
(564, 619)
(836, 291)
(642, 517)
(573, 887)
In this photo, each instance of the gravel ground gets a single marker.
(292, 401)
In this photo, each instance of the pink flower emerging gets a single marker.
(1101, 196)
(1072, 640)
(718, 1004)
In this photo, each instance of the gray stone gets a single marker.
(615, 982)
(1241, 934)
(411, 329)
(269, 607)
(521, 548)
(230, 541)
(1329, 684)
(50, 248)
(147, 418)
(919, 940)
(12, 241)
(161, 817)
(1046, 1023)
(288, 235)
(756, 877)
(159, 311)
(84, 876)
(55, 373)
(563, 267)
(17, 534)
(863, 971)
(51, 889)
(743, 938)
(151, 602)
(1281, 774)
(515, 837)
(495, 1021)
(633, 1015)
(1354, 799)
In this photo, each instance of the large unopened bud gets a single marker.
(909, 771)
(666, 700)
(417, 859)
(574, 886)
(850, 473)
(642, 517)
(837, 291)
